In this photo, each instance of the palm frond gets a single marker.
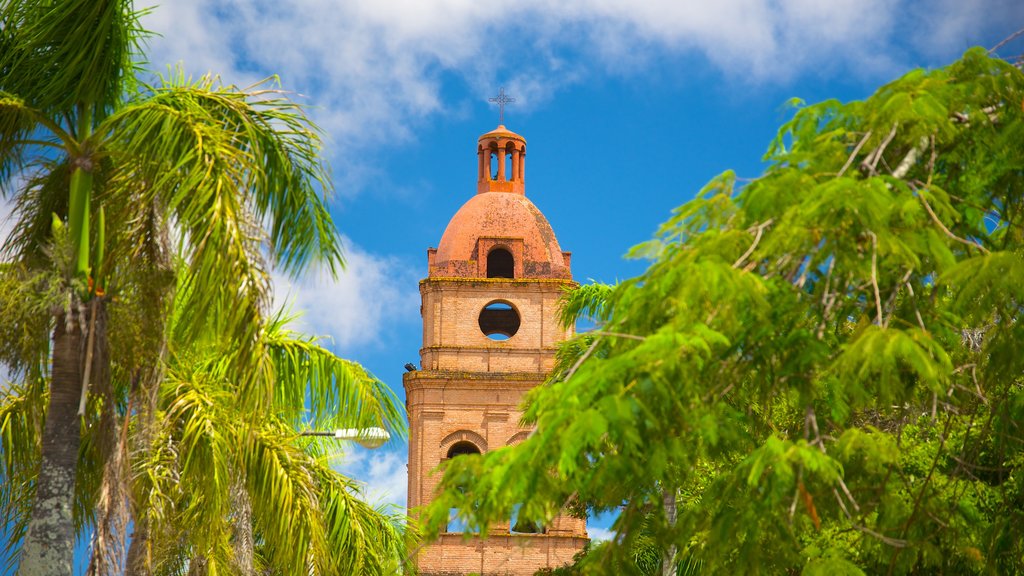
(306, 517)
(18, 124)
(60, 55)
(284, 498)
(310, 515)
(588, 301)
(26, 298)
(200, 478)
(314, 387)
(22, 407)
(361, 539)
(240, 159)
(43, 195)
(255, 144)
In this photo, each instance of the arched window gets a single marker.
(462, 447)
(455, 523)
(501, 264)
(510, 150)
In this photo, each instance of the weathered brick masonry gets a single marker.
(490, 331)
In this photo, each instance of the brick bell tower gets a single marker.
(490, 331)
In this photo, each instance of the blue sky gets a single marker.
(628, 107)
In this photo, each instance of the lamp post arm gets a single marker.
(366, 437)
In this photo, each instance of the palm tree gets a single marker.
(252, 493)
(107, 174)
(222, 487)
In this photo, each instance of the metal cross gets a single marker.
(501, 99)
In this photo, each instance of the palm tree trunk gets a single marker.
(138, 562)
(243, 542)
(668, 562)
(197, 566)
(48, 549)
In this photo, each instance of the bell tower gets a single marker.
(490, 331)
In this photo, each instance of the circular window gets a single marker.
(499, 320)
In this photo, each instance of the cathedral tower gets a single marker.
(490, 331)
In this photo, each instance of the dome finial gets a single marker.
(501, 162)
(501, 99)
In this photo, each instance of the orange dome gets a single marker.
(493, 220)
(502, 133)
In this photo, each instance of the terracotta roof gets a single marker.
(499, 215)
(502, 132)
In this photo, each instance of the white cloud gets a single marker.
(6, 217)
(374, 69)
(600, 534)
(951, 26)
(9, 203)
(387, 479)
(372, 293)
(383, 473)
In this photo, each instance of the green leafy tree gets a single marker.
(820, 370)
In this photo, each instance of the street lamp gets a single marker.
(366, 437)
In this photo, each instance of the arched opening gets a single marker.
(455, 523)
(520, 525)
(509, 164)
(492, 155)
(500, 264)
(499, 320)
(462, 447)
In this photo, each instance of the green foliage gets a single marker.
(160, 209)
(306, 514)
(26, 299)
(822, 364)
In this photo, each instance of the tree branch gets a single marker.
(618, 335)
(826, 300)
(911, 157)
(757, 238)
(870, 164)
(920, 321)
(853, 154)
(1006, 40)
(811, 423)
(890, 303)
(874, 276)
(796, 493)
(90, 344)
(924, 487)
(931, 160)
(946, 230)
(894, 542)
(576, 366)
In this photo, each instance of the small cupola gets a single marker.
(501, 160)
